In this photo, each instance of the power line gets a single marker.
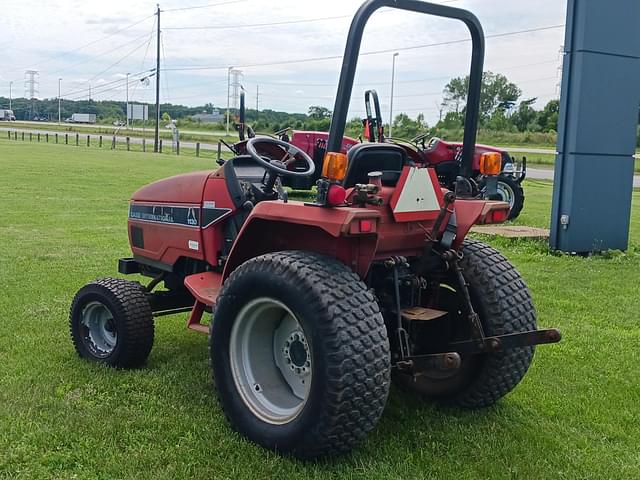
(67, 94)
(93, 57)
(122, 83)
(272, 24)
(257, 25)
(63, 54)
(144, 59)
(147, 41)
(374, 52)
(125, 56)
(419, 80)
(203, 6)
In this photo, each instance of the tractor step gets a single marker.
(205, 288)
(422, 314)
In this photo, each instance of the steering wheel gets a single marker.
(279, 167)
(418, 138)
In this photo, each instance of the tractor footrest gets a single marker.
(204, 286)
(422, 314)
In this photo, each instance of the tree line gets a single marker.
(501, 110)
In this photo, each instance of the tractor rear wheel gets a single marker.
(510, 191)
(503, 303)
(111, 322)
(300, 354)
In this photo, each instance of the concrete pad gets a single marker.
(512, 231)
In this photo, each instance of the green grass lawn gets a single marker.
(64, 209)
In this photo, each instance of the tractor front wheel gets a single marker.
(111, 322)
(503, 303)
(300, 354)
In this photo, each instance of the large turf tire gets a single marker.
(131, 319)
(503, 302)
(349, 350)
(513, 193)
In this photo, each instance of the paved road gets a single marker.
(534, 173)
(547, 174)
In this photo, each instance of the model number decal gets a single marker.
(186, 216)
(177, 215)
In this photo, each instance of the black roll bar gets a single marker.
(376, 127)
(350, 61)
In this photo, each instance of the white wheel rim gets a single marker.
(271, 360)
(507, 193)
(98, 328)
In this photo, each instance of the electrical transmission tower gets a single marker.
(31, 84)
(236, 85)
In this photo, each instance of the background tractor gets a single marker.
(317, 306)
(502, 182)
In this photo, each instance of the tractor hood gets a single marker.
(185, 188)
(480, 149)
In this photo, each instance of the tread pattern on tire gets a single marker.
(355, 344)
(506, 308)
(136, 330)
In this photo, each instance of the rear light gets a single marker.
(336, 195)
(490, 163)
(498, 216)
(363, 226)
(335, 166)
(366, 226)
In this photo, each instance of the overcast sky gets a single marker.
(85, 42)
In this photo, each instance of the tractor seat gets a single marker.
(374, 157)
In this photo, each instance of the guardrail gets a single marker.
(115, 142)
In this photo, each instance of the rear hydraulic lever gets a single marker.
(402, 335)
(477, 333)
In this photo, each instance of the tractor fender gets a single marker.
(473, 212)
(278, 226)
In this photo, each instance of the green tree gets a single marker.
(548, 117)
(497, 93)
(525, 115)
(319, 113)
(405, 127)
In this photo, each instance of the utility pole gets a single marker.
(257, 99)
(228, 94)
(156, 140)
(10, 85)
(127, 115)
(59, 101)
(393, 78)
(89, 92)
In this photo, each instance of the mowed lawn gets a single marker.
(63, 223)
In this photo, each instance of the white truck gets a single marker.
(82, 118)
(7, 115)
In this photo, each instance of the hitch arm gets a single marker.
(498, 343)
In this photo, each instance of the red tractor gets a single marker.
(316, 307)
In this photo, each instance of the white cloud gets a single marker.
(46, 37)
